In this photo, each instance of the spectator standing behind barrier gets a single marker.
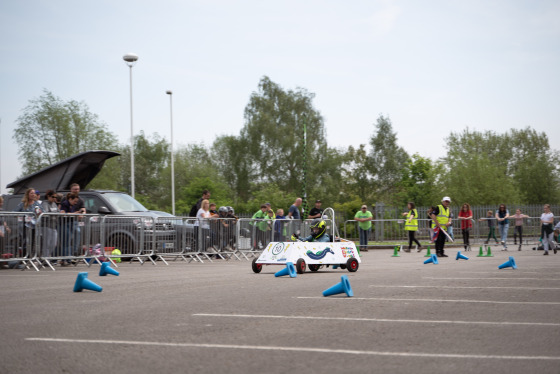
(38, 197)
(280, 226)
(50, 233)
(518, 227)
(232, 221)
(80, 208)
(203, 223)
(411, 225)
(295, 212)
(269, 207)
(547, 230)
(491, 226)
(69, 206)
(29, 204)
(4, 229)
(502, 215)
(465, 216)
(261, 226)
(196, 207)
(442, 219)
(364, 217)
(316, 211)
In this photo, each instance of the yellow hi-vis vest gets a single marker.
(443, 217)
(413, 224)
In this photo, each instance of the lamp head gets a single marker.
(130, 58)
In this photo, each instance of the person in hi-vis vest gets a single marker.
(411, 225)
(441, 218)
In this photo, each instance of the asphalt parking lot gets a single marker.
(461, 316)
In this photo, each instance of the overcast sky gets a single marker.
(432, 67)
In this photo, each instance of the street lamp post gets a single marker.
(170, 93)
(130, 59)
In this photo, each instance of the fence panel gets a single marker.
(134, 236)
(17, 239)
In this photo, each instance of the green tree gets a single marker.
(534, 166)
(357, 174)
(386, 160)
(491, 168)
(50, 130)
(273, 136)
(419, 181)
(235, 166)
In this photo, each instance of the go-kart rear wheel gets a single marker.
(352, 265)
(300, 266)
(256, 267)
(314, 267)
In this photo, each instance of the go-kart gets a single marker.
(309, 254)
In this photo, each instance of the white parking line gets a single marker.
(433, 300)
(494, 272)
(510, 278)
(294, 349)
(315, 318)
(468, 287)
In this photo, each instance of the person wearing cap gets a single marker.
(316, 211)
(38, 197)
(442, 219)
(364, 218)
(269, 206)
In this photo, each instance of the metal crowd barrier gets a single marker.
(17, 239)
(392, 232)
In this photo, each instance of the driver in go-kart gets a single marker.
(318, 234)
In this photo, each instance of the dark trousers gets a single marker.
(518, 230)
(411, 239)
(466, 233)
(440, 242)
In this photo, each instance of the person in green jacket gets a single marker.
(364, 218)
(263, 222)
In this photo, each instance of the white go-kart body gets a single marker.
(313, 254)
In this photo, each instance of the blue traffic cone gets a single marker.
(83, 283)
(432, 260)
(509, 263)
(342, 287)
(107, 269)
(461, 256)
(335, 266)
(290, 270)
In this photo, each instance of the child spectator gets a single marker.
(518, 227)
(491, 226)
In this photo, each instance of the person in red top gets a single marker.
(465, 216)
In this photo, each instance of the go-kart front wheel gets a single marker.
(352, 265)
(256, 267)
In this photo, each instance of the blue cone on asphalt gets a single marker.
(432, 260)
(290, 270)
(461, 256)
(508, 264)
(342, 287)
(83, 283)
(107, 269)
